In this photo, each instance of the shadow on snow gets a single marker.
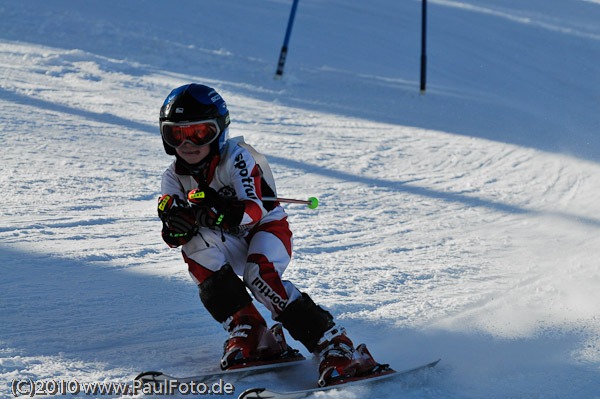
(394, 185)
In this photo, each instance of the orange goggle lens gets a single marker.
(201, 133)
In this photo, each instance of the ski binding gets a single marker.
(238, 371)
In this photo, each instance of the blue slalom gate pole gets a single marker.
(286, 41)
(423, 45)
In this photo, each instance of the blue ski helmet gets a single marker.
(195, 102)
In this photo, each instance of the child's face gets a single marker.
(192, 154)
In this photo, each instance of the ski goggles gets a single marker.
(199, 133)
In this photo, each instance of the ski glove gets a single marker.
(179, 222)
(214, 211)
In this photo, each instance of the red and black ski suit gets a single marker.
(260, 248)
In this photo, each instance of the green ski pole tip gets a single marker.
(313, 203)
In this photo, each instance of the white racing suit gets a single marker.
(260, 249)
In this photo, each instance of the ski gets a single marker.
(264, 393)
(240, 371)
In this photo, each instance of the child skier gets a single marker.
(212, 207)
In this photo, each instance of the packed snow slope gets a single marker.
(462, 224)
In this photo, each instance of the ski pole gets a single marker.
(312, 202)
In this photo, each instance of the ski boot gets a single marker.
(250, 342)
(340, 361)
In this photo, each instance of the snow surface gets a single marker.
(462, 224)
